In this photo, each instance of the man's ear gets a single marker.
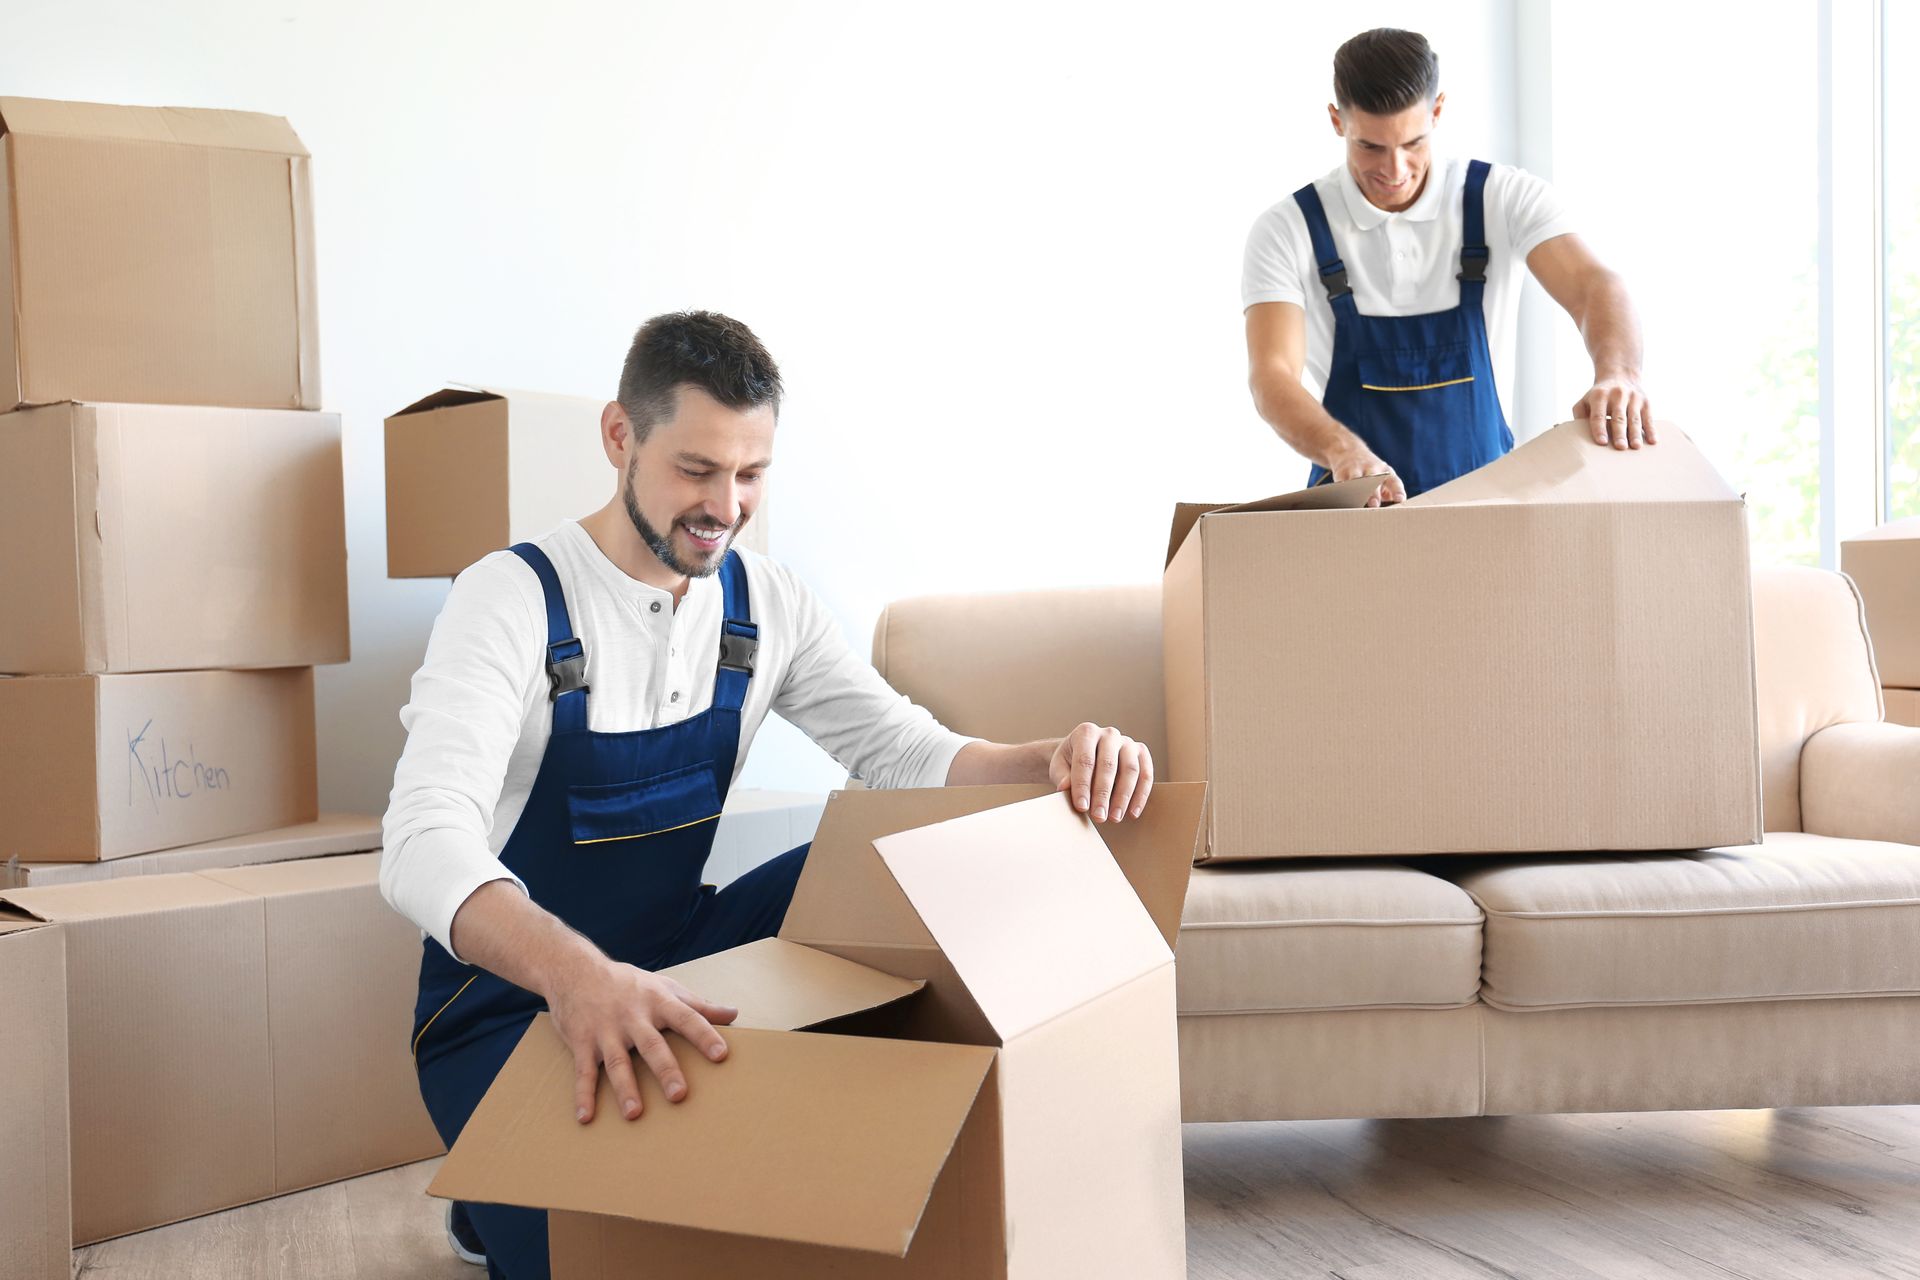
(616, 434)
(1333, 114)
(1439, 101)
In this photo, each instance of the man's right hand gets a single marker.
(1360, 461)
(606, 1010)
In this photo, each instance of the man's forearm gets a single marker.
(1299, 419)
(502, 930)
(1610, 328)
(981, 763)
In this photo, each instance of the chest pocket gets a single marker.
(644, 807)
(1433, 369)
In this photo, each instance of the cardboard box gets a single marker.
(1552, 653)
(232, 1035)
(155, 254)
(1885, 564)
(473, 470)
(35, 1240)
(1016, 1117)
(96, 767)
(328, 834)
(1903, 706)
(158, 538)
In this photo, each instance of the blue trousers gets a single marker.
(452, 1084)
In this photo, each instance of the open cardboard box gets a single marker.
(1552, 653)
(473, 470)
(957, 1060)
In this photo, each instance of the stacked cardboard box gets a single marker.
(1885, 565)
(172, 503)
(231, 1035)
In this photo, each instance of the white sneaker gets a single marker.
(461, 1235)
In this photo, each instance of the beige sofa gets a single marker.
(1786, 974)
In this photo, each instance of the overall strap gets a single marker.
(1473, 238)
(739, 637)
(566, 658)
(1333, 272)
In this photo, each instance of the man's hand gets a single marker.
(1103, 771)
(1358, 460)
(604, 1010)
(1617, 412)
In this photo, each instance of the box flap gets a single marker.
(1342, 495)
(135, 895)
(783, 986)
(1565, 465)
(1156, 850)
(447, 398)
(232, 130)
(845, 896)
(1029, 907)
(815, 1139)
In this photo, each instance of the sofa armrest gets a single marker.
(1861, 781)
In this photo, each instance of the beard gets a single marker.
(661, 544)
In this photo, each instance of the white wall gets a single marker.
(995, 248)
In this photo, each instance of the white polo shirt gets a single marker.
(1402, 264)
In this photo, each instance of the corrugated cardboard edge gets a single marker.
(47, 1112)
(306, 320)
(11, 377)
(101, 476)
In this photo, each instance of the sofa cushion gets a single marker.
(1267, 937)
(1801, 916)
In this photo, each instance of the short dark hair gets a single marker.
(1384, 71)
(701, 349)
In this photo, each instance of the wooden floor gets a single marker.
(1824, 1194)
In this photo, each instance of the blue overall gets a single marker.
(613, 840)
(1418, 389)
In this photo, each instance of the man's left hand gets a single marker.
(1106, 774)
(1618, 412)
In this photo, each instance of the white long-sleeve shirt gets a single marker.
(479, 716)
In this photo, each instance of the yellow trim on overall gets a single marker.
(437, 1012)
(1367, 386)
(641, 835)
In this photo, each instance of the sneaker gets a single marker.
(461, 1235)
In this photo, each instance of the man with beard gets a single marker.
(586, 701)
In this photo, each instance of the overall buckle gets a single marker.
(1334, 278)
(1473, 265)
(566, 668)
(739, 644)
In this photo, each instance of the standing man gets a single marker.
(586, 701)
(1371, 292)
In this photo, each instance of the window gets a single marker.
(1900, 214)
(1758, 186)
